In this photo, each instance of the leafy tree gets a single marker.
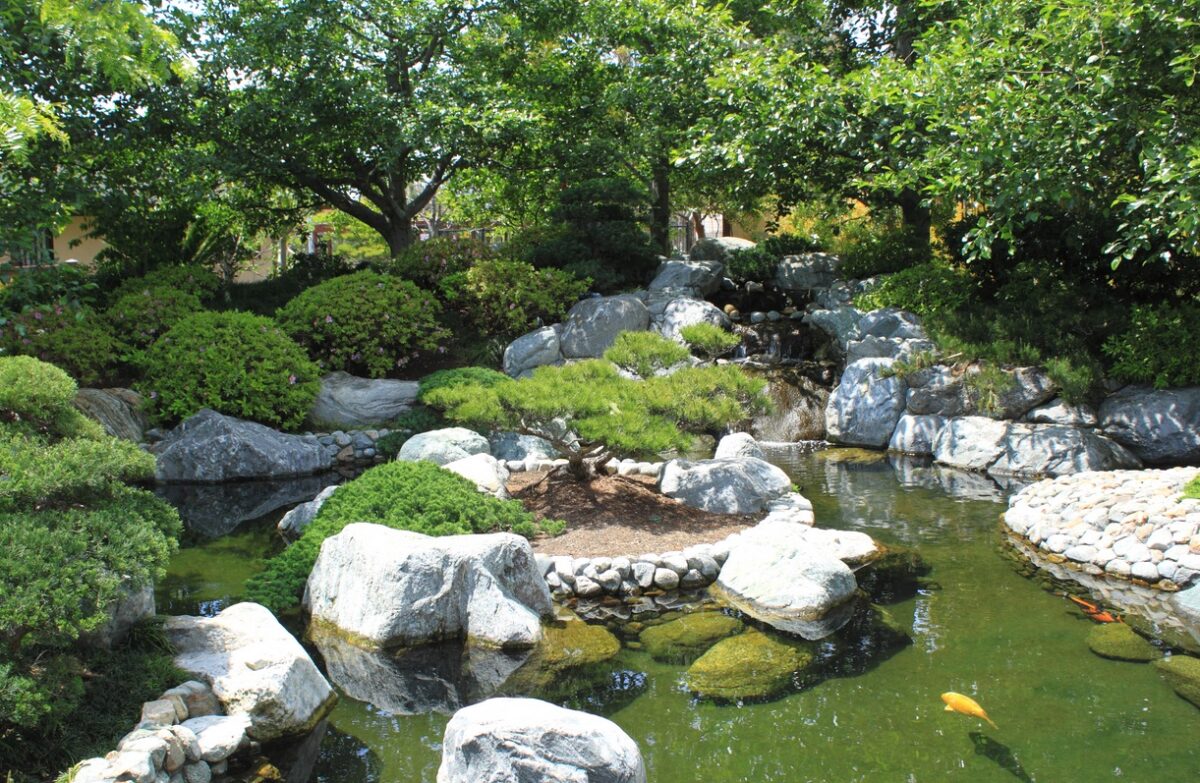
(591, 413)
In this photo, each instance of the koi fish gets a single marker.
(1092, 610)
(965, 705)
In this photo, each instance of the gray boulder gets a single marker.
(891, 322)
(535, 349)
(255, 667)
(347, 402)
(718, 248)
(683, 311)
(737, 445)
(134, 604)
(864, 408)
(807, 271)
(511, 446)
(1059, 411)
(593, 324)
(515, 740)
(293, 523)
(487, 473)
(1029, 388)
(211, 447)
(745, 485)
(119, 412)
(1053, 450)
(840, 323)
(971, 442)
(1158, 425)
(900, 348)
(443, 446)
(691, 278)
(916, 434)
(394, 588)
(936, 391)
(778, 577)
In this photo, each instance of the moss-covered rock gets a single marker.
(892, 575)
(751, 665)
(686, 638)
(571, 656)
(1121, 643)
(1182, 673)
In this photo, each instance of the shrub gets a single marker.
(868, 249)
(71, 471)
(1192, 489)
(645, 353)
(781, 245)
(417, 496)
(459, 376)
(511, 297)
(31, 389)
(77, 340)
(201, 282)
(365, 323)
(235, 363)
(427, 263)
(145, 314)
(927, 290)
(709, 340)
(67, 285)
(755, 264)
(417, 420)
(1158, 346)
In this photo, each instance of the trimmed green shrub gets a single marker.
(781, 245)
(143, 315)
(77, 340)
(365, 323)
(427, 263)
(238, 364)
(709, 340)
(1158, 346)
(459, 376)
(755, 264)
(32, 389)
(928, 290)
(511, 297)
(872, 249)
(416, 496)
(71, 471)
(645, 353)
(65, 285)
(199, 281)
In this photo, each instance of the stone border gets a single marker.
(182, 736)
(352, 447)
(625, 467)
(1127, 524)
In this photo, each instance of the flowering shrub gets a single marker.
(364, 323)
(74, 339)
(197, 280)
(235, 363)
(426, 263)
(510, 297)
(145, 314)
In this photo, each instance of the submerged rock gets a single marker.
(751, 665)
(211, 447)
(1121, 643)
(255, 667)
(1182, 673)
(395, 588)
(570, 656)
(893, 574)
(686, 638)
(745, 485)
(512, 740)
(443, 446)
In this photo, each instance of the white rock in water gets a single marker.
(738, 444)
(531, 741)
(255, 667)
(392, 588)
(865, 407)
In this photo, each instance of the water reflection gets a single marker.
(215, 510)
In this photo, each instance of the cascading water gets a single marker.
(799, 412)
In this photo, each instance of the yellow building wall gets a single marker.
(73, 243)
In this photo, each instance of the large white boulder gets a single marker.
(394, 588)
(535, 349)
(738, 444)
(690, 278)
(1158, 425)
(916, 434)
(443, 446)
(936, 391)
(864, 408)
(531, 741)
(775, 574)
(745, 485)
(683, 312)
(486, 472)
(1052, 450)
(211, 447)
(255, 667)
(593, 324)
(348, 402)
(806, 271)
(970, 442)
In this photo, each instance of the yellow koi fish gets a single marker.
(965, 705)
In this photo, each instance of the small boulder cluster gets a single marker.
(585, 577)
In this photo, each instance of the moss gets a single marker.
(1121, 643)
(751, 665)
(1182, 673)
(570, 657)
(852, 456)
(685, 639)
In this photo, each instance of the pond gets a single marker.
(978, 627)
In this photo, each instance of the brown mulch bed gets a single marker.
(617, 515)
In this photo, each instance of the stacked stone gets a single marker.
(1126, 524)
(625, 467)
(584, 577)
(351, 447)
(182, 737)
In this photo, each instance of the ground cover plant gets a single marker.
(709, 340)
(416, 496)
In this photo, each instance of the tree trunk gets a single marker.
(916, 217)
(660, 206)
(399, 235)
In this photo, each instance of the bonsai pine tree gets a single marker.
(591, 412)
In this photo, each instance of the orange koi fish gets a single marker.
(965, 705)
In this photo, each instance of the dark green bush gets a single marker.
(1159, 346)
(879, 249)
(145, 314)
(460, 376)
(510, 298)
(239, 364)
(77, 340)
(755, 264)
(931, 289)
(417, 496)
(201, 282)
(427, 263)
(645, 353)
(43, 287)
(781, 245)
(365, 323)
(709, 340)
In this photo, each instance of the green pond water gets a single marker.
(978, 627)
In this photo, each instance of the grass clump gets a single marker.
(645, 353)
(416, 496)
(709, 340)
